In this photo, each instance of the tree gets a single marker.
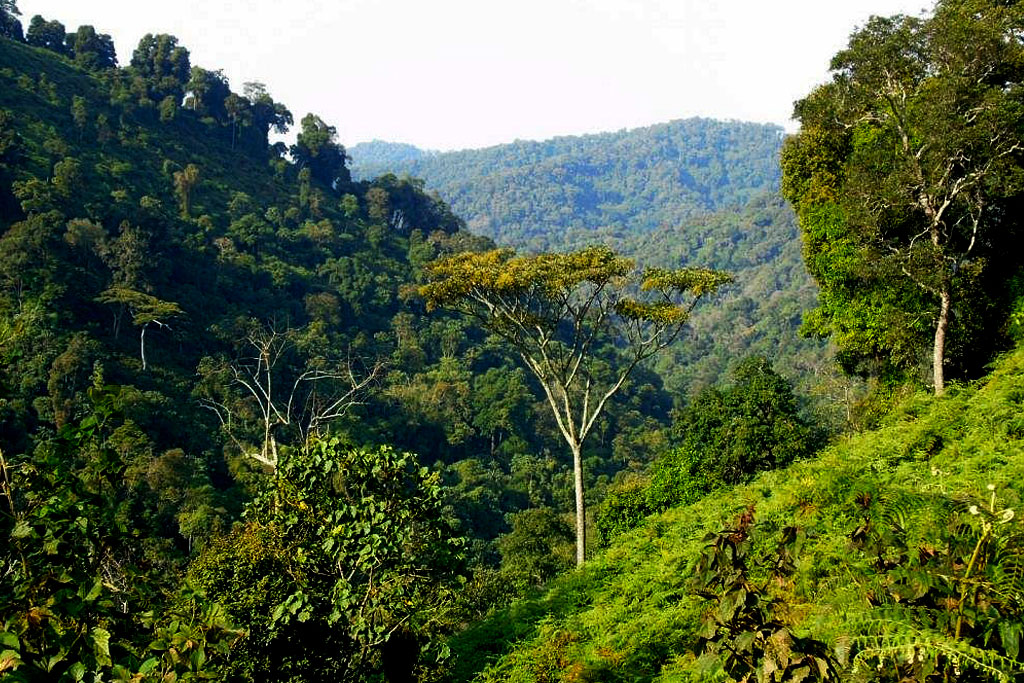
(563, 314)
(94, 51)
(316, 391)
(904, 176)
(80, 596)
(185, 181)
(317, 149)
(737, 431)
(145, 310)
(163, 65)
(238, 112)
(207, 91)
(344, 569)
(10, 27)
(267, 115)
(49, 35)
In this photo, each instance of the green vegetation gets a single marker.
(262, 421)
(555, 310)
(886, 525)
(567, 192)
(687, 192)
(906, 178)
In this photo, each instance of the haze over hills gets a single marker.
(555, 193)
(261, 421)
(695, 191)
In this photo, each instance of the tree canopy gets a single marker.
(570, 316)
(905, 175)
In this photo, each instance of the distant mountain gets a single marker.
(552, 194)
(695, 191)
(381, 153)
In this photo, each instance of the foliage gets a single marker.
(564, 193)
(634, 617)
(555, 309)
(360, 553)
(538, 547)
(748, 427)
(317, 149)
(84, 586)
(723, 437)
(694, 191)
(904, 174)
(745, 631)
(950, 605)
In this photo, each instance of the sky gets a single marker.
(457, 74)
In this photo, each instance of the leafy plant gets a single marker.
(948, 606)
(745, 633)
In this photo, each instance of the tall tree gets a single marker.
(317, 149)
(146, 310)
(10, 27)
(50, 35)
(280, 389)
(207, 91)
(185, 182)
(163, 65)
(904, 175)
(563, 314)
(94, 51)
(267, 115)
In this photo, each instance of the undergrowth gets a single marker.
(633, 612)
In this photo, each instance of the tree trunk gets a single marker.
(939, 348)
(581, 517)
(142, 345)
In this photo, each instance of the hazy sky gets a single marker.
(449, 74)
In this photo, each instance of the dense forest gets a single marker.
(691, 191)
(266, 417)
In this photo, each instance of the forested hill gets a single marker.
(695, 191)
(553, 194)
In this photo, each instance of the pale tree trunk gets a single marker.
(939, 347)
(581, 517)
(142, 345)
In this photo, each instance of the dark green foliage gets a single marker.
(92, 51)
(948, 602)
(49, 35)
(723, 437)
(562, 193)
(906, 176)
(351, 545)
(746, 428)
(162, 68)
(539, 547)
(207, 92)
(10, 26)
(84, 590)
(744, 630)
(316, 148)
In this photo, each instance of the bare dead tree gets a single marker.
(306, 400)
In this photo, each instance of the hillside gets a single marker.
(633, 614)
(696, 192)
(553, 194)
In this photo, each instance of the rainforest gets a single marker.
(697, 401)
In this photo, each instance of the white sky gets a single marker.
(451, 74)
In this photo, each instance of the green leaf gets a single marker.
(101, 645)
